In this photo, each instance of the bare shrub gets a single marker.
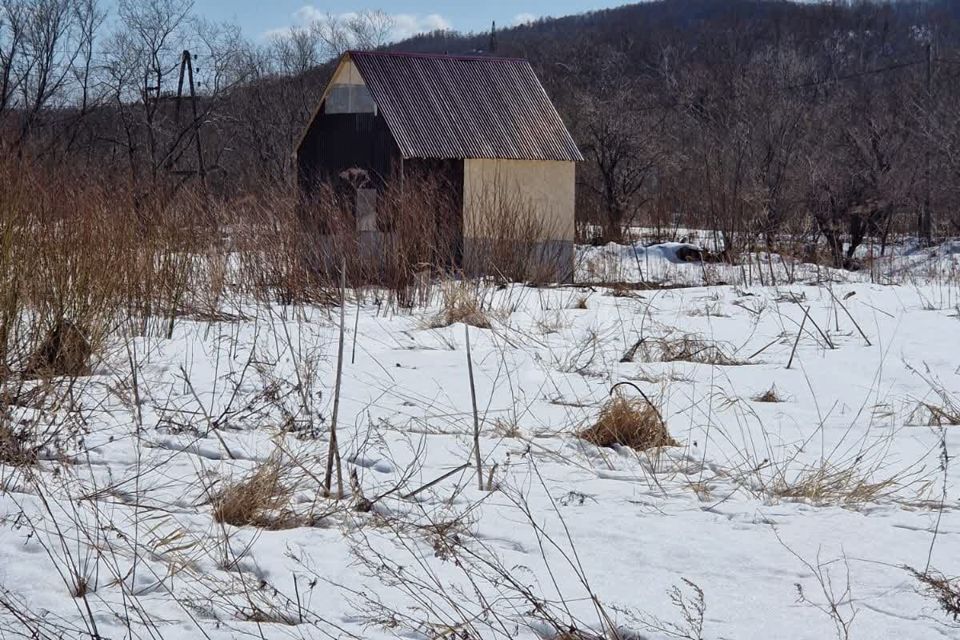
(506, 237)
(416, 234)
(630, 423)
(945, 590)
(836, 599)
(282, 253)
(79, 258)
(690, 604)
(15, 449)
(64, 351)
(422, 223)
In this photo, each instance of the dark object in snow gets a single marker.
(15, 448)
(65, 351)
(688, 253)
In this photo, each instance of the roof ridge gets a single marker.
(441, 56)
(442, 106)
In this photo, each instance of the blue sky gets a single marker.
(258, 17)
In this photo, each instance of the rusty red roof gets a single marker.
(441, 106)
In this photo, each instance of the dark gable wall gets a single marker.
(339, 141)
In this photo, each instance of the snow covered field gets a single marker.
(795, 503)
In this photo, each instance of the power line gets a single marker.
(858, 74)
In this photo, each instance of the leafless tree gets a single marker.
(45, 38)
(12, 37)
(364, 30)
(616, 128)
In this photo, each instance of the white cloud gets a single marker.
(308, 13)
(524, 18)
(405, 25)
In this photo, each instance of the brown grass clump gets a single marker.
(630, 423)
(507, 428)
(770, 395)
(945, 590)
(943, 415)
(467, 314)
(828, 484)
(688, 348)
(941, 410)
(623, 290)
(460, 305)
(261, 499)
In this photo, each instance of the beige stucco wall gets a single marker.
(538, 190)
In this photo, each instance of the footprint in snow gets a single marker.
(378, 465)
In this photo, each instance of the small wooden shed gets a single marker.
(485, 123)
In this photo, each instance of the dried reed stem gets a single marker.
(476, 416)
(333, 453)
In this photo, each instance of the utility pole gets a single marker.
(186, 69)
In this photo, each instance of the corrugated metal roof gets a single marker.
(465, 107)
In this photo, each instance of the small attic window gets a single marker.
(350, 98)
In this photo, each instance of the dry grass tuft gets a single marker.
(947, 414)
(507, 428)
(770, 395)
(576, 634)
(552, 323)
(80, 587)
(623, 290)
(460, 304)
(261, 499)
(630, 423)
(941, 409)
(833, 485)
(945, 590)
(687, 348)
